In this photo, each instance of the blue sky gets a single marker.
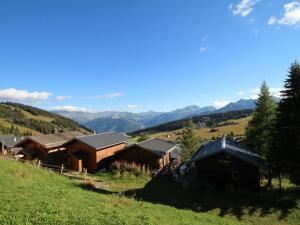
(140, 55)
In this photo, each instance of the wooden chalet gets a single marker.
(95, 152)
(42, 145)
(224, 161)
(153, 153)
(7, 142)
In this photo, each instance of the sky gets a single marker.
(138, 55)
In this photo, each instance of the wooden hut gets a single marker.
(42, 145)
(224, 161)
(7, 142)
(153, 153)
(95, 152)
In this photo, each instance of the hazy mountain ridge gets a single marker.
(142, 120)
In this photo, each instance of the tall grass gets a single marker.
(133, 168)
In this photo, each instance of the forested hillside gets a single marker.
(22, 119)
(210, 120)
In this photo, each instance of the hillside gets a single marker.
(236, 126)
(30, 195)
(27, 120)
(209, 120)
(111, 124)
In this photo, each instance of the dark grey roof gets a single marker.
(103, 140)
(231, 148)
(9, 140)
(157, 146)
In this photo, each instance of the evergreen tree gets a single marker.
(259, 130)
(190, 141)
(286, 148)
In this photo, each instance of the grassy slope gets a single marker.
(34, 196)
(238, 129)
(6, 124)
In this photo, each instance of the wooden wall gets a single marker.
(141, 156)
(222, 169)
(94, 156)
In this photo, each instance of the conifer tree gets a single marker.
(259, 130)
(286, 148)
(190, 141)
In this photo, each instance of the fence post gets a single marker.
(85, 174)
(39, 163)
(62, 169)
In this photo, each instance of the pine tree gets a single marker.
(286, 148)
(259, 130)
(190, 141)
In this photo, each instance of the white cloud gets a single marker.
(61, 98)
(12, 94)
(241, 93)
(220, 103)
(244, 8)
(254, 91)
(109, 96)
(70, 108)
(131, 107)
(272, 20)
(291, 14)
(276, 92)
(203, 49)
(273, 91)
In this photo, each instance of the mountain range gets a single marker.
(128, 121)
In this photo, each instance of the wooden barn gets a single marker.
(42, 145)
(153, 153)
(95, 152)
(7, 142)
(224, 162)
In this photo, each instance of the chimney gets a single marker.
(223, 142)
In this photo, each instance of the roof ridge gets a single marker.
(90, 135)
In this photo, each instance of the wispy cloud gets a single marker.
(253, 93)
(290, 17)
(62, 98)
(109, 96)
(70, 108)
(23, 96)
(272, 20)
(132, 107)
(243, 8)
(204, 38)
(203, 49)
(221, 103)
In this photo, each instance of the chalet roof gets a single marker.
(9, 140)
(52, 140)
(103, 140)
(158, 146)
(230, 147)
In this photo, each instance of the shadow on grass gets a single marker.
(236, 202)
(96, 190)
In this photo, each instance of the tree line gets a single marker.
(274, 130)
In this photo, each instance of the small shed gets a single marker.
(95, 151)
(153, 153)
(42, 145)
(7, 142)
(225, 162)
